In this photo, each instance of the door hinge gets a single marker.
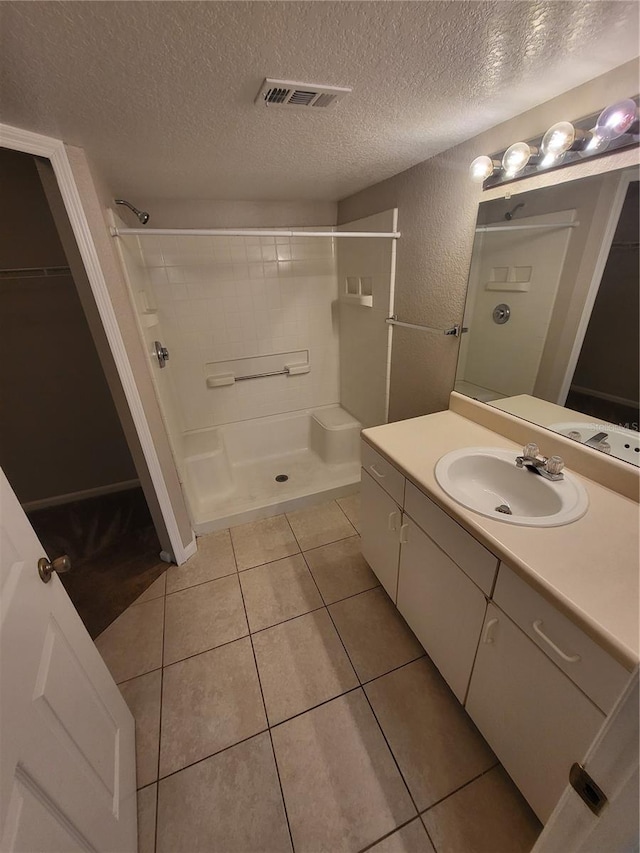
(587, 789)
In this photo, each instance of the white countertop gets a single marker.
(588, 568)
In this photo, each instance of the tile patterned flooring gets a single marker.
(282, 703)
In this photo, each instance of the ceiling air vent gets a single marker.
(285, 93)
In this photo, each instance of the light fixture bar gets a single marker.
(564, 143)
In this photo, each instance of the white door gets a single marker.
(443, 608)
(67, 750)
(381, 520)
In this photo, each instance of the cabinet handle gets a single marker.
(376, 472)
(403, 541)
(487, 638)
(392, 521)
(569, 658)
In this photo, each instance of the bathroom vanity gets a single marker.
(535, 629)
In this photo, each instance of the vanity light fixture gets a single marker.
(563, 143)
(614, 121)
(516, 158)
(482, 168)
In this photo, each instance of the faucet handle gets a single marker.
(530, 450)
(554, 464)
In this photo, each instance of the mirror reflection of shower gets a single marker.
(142, 215)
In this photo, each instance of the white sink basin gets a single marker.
(485, 478)
(624, 443)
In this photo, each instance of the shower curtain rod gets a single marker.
(484, 228)
(246, 232)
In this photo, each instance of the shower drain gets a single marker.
(282, 478)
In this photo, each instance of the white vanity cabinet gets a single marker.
(535, 684)
(444, 609)
(381, 522)
(535, 719)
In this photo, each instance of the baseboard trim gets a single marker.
(84, 494)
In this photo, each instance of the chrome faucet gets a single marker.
(596, 439)
(548, 467)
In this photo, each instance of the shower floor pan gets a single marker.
(231, 471)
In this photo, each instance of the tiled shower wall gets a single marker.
(226, 298)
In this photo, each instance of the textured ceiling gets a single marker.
(160, 94)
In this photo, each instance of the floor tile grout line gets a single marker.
(326, 544)
(204, 651)
(392, 832)
(314, 707)
(337, 500)
(202, 583)
(264, 705)
(164, 615)
(459, 788)
(393, 757)
(213, 754)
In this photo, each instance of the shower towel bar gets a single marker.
(260, 375)
(289, 370)
(246, 232)
(484, 228)
(454, 331)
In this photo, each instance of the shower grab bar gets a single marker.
(454, 331)
(246, 232)
(260, 375)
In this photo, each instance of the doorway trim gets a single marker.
(625, 178)
(54, 150)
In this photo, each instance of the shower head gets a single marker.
(142, 215)
(510, 213)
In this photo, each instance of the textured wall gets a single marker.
(437, 212)
(212, 213)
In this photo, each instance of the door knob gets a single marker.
(59, 565)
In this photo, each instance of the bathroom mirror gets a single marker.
(552, 310)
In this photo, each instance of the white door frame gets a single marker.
(603, 256)
(54, 150)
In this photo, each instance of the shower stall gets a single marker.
(269, 352)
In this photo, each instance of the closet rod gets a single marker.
(484, 228)
(246, 232)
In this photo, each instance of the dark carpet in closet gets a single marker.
(114, 552)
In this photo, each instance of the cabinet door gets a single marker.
(442, 606)
(381, 519)
(535, 719)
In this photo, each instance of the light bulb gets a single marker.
(595, 145)
(559, 138)
(481, 168)
(516, 158)
(616, 120)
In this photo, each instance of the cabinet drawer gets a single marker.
(442, 606)
(383, 472)
(472, 557)
(596, 673)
